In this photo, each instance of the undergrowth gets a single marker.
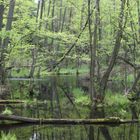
(8, 136)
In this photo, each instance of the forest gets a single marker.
(69, 69)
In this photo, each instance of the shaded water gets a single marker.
(122, 132)
(53, 98)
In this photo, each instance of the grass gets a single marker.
(116, 99)
(115, 104)
(21, 73)
(111, 98)
(7, 111)
(83, 69)
(8, 136)
(80, 97)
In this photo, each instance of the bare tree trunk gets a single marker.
(93, 47)
(34, 55)
(46, 26)
(91, 51)
(138, 8)
(38, 7)
(70, 16)
(63, 21)
(9, 21)
(99, 45)
(82, 14)
(41, 12)
(6, 40)
(1, 55)
(49, 7)
(134, 88)
(60, 19)
(104, 80)
(77, 48)
(1, 18)
(53, 11)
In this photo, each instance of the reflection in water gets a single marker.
(98, 113)
(76, 133)
(55, 99)
(35, 136)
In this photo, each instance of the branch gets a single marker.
(112, 120)
(136, 67)
(73, 45)
(133, 88)
(128, 62)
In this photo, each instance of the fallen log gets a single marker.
(11, 101)
(112, 120)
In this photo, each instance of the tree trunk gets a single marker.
(9, 21)
(38, 7)
(104, 80)
(91, 52)
(34, 55)
(6, 40)
(138, 8)
(1, 55)
(41, 12)
(1, 18)
(60, 19)
(63, 21)
(93, 47)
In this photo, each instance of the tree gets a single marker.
(117, 45)
(4, 45)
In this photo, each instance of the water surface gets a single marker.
(53, 98)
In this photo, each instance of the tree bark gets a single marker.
(93, 49)
(6, 40)
(41, 12)
(1, 55)
(91, 52)
(38, 7)
(63, 21)
(66, 121)
(138, 9)
(34, 57)
(9, 21)
(104, 80)
(1, 18)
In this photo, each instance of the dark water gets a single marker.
(122, 132)
(53, 98)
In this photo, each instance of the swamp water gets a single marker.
(54, 97)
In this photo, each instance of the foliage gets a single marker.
(80, 97)
(7, 111)
(31, 31)
(116, 99)
(8, 136)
